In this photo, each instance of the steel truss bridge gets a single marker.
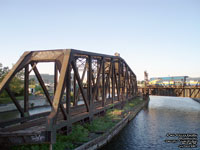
(100, 81)
(182, 91)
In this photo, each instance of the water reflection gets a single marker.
(5, 116)
(163, 115)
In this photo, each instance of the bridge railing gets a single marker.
(181, 91)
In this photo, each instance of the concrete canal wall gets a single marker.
(197, 99)
(35, 102)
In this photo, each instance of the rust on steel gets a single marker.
(182, 91)
(85, 84)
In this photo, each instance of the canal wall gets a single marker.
(106, 137)
(197, 99)
(37, 102)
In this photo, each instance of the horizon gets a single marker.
(161, 37)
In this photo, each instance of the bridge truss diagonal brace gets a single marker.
(98, 79)
(51, 119)
(24, 59)
(41, 83)
(79, 80)
(20, 109)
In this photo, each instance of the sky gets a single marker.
(160, 36)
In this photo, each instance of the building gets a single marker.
(193, 81)
(168, 81)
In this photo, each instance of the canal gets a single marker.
(9, 115)
(162, 125)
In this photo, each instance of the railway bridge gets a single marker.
(179, 91)
(99, 81)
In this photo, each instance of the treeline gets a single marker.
(17, 83)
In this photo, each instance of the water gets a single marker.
(9, 115)
(5, 116)
(149, 128)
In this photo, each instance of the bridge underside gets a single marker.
(192, 92)
(99, 81)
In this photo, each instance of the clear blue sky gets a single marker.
(160, 36)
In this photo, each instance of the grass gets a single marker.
(128, 106)
(100, 124)
(112, 116)
(78, 136)
(81, 133)
(6, 100)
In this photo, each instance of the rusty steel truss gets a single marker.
(192, 92)
(99, 81)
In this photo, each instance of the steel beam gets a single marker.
(26, 87)
(42, 83)
(80, 85)
(105, 75)
(15, 101)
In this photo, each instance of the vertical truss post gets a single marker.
(116, 83)
(119, 77)
(109, 88)
(26, 91)
(184, 89)
(110, 72)
(55, 76)
(133, 86)
(97, 79)
(136, 87)
(123, 88)
(113, 81)
(103, 82)
(74, 93)
(68, 94)
(127, 83)
(89, 86)
(68, 89)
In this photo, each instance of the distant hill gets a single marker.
(47, 78)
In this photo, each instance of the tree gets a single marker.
(3, 71)
(16, 84)
(32, 81)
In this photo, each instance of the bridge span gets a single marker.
(99, 81)
(182, 91)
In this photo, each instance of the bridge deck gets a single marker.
(34, 131)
